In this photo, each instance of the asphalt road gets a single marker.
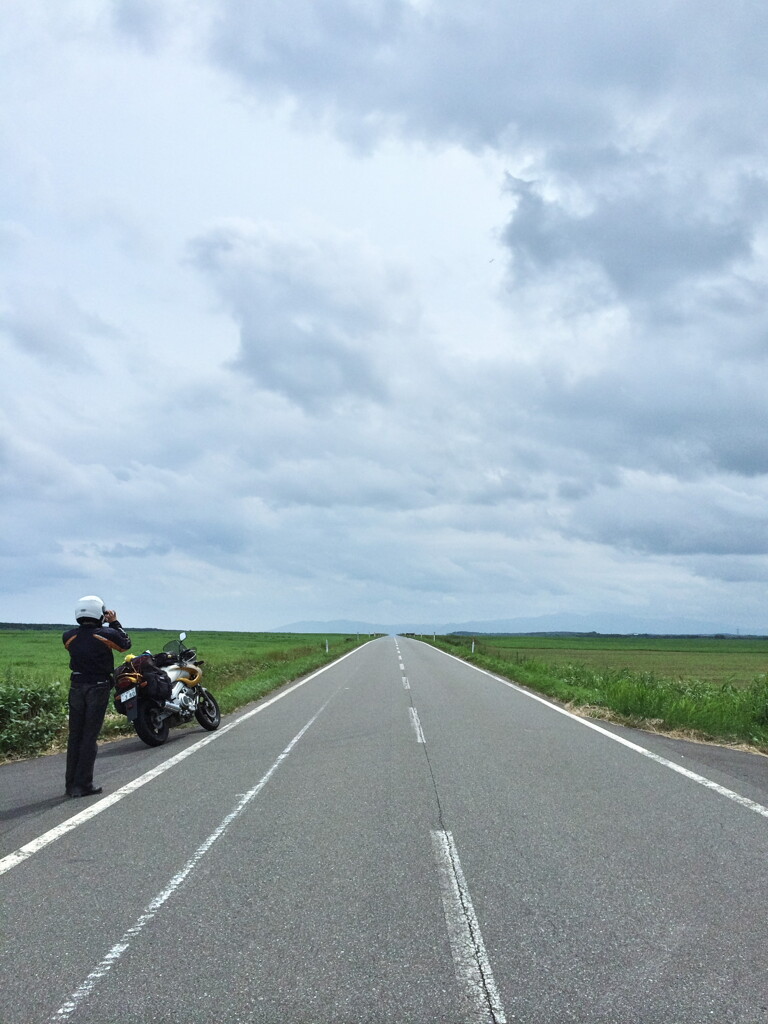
(400, 838)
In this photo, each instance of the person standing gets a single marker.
(91, 660)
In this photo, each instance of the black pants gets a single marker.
(87, 707)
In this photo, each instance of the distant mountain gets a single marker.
(621, 624)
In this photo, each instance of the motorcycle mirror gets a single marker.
(182, 636)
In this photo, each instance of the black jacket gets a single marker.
(90, 651)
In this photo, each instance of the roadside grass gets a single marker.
(715, 712)
(239, 668)
(32, 709)
(715, 660)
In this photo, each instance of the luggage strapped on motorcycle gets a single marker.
(143, 671)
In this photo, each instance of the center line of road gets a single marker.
(416, 725)
(114, 954)
(406, 684)
(470, 959)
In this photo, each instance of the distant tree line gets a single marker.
(35, 625)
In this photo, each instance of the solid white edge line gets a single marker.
(470, 959)
(416, 724)
(701, 780)
(32, 847)
(110, 959)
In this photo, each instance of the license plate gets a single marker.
(128, 694)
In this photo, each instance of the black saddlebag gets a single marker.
(143, 673)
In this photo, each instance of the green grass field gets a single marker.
(41, 652)
(708, 659)
(239, 668)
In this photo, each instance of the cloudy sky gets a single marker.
(430, 310)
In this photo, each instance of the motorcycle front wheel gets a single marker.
(150, 726)
(207, 712)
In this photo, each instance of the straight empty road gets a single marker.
(399, 838)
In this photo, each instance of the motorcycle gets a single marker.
(157, 691)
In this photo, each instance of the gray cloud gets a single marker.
(138, 19)
(645, 244)
(662, 518)
(316, 318)
(734, 569)
(50, 324)
(485, 75)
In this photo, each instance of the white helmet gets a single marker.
(90, 607)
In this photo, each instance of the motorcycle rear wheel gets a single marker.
(149, 726)
(207, 712)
